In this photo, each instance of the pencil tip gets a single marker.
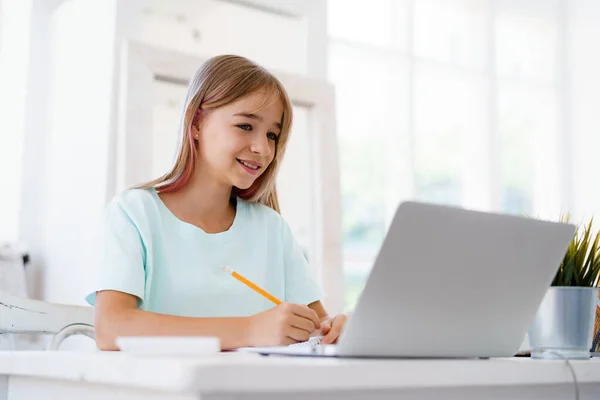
(226, 269)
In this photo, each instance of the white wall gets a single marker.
(217, 27)
(33, 188)
(77, 142)
(69, 138)
(14, 62)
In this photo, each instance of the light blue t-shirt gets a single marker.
(175, 268)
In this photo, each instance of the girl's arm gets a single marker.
(117, 315)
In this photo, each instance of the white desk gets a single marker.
(232, 376)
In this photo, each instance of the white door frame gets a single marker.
(141, 64)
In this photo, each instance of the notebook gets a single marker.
(311, 347)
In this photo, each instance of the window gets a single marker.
(362, 22)
(443, 101)
(526, 35)
(527, 120)
(450, 31)
(448, 107)
(371, 92)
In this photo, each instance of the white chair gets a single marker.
(20, 314)
(24, 315)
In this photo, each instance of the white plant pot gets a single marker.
(564, 324)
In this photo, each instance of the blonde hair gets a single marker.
(219, 81)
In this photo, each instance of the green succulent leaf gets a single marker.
(580, 265)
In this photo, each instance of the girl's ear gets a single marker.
(195, 128)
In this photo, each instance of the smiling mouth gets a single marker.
(248, 165)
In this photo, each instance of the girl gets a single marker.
(165, 241)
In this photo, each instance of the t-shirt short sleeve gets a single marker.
(122, 255)
(300, 284)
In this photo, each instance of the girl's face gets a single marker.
(236, 142)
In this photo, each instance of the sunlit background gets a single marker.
(492, 105)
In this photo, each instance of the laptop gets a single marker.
(449, 283)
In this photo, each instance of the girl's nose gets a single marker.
(260, 145)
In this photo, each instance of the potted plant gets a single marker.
(564, 323)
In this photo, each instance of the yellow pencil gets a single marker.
(251, 285)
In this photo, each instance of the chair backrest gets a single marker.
(24, 315)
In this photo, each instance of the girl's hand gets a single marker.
(282, 325)
(332, 328)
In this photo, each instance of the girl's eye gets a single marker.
(245, 127)
(272, 136)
